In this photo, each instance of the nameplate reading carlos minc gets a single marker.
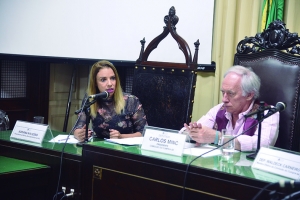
(163, 142)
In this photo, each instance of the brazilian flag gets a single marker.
(271, 10)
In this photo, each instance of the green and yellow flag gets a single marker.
(271, 10)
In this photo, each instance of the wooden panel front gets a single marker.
(129, 176)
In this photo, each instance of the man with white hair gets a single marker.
(240, 89)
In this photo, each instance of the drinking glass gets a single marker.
(228, 145)
(38, 119)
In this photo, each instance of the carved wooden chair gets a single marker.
(166, 89)
(274, 57)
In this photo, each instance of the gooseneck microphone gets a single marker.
(257, 111)
(289, 184)
(102, 95)
(280, 106)
(292, 184)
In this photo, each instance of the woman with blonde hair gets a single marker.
(119, 115)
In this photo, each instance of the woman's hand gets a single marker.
(79, 133)
(115, 134)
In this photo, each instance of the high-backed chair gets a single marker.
(166, 89)
(270, 55)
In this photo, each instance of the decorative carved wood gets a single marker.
(170, 20)
(276, 36)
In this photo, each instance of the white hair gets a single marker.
(250, 82)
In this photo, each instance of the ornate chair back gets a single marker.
(274, 57)
(166, 89)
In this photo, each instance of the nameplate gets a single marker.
(163, 141)
(278, 162)
(28, 131)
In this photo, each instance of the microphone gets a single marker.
(102, 95)
(289, 184)
(280, 106)
(257, 111)
(292, 184)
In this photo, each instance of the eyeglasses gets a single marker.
(229, 94)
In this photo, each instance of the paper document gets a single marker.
(201, 150)
(188, 145)
(127, 141)
(63, 139)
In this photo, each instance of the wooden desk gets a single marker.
(48, 154)
(103, 170)
(114, 171)
(23, 180)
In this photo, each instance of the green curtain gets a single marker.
(271, 10)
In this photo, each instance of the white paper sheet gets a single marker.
(127, 141)
(63, 139)
(197, 151)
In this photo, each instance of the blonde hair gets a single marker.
(93, 89)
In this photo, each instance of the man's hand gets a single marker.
(199, 133)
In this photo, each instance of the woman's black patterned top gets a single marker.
(131, 120)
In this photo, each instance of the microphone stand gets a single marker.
(87, 112)
(260, 117)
